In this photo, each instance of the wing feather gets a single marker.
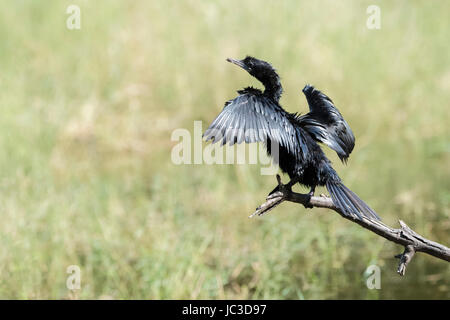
(325, 123)
(253, 117)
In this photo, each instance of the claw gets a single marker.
(279, 191)
(277, 194)
(309, 205)
(275, 190)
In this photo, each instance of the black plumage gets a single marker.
(256, 116)
(325, 123)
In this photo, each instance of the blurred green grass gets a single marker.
(86, 177)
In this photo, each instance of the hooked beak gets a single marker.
(237, 62)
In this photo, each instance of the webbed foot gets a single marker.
(310, 194)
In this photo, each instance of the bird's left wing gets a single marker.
(253, 117)
(325, 123)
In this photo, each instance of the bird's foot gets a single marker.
(281, 189)
(275, 190)
(278, 193)
(308, 205)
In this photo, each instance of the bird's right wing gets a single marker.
(253, 117)
(325, 123)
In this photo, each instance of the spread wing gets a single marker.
(325, 123)
(253, 117)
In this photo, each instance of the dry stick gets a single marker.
(405, 236)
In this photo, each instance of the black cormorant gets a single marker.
(255, 116)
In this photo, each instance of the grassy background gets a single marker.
(85, 172)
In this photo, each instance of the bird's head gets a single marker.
(261, 70)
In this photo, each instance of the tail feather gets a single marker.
(336, 197)
(362, 205)
(349, 203)
(342, 202)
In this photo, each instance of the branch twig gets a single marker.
(405, 236)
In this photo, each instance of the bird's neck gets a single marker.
(273, 86)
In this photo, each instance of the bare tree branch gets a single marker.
(405, 236)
